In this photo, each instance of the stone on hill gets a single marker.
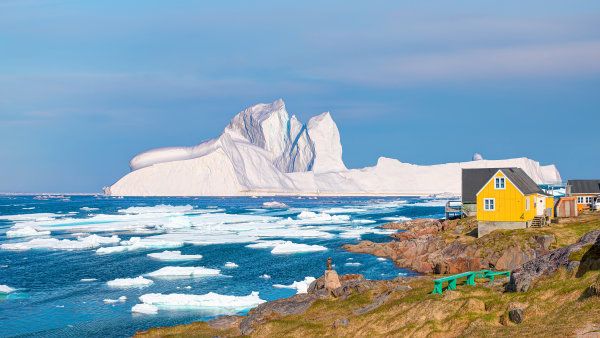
(332, 280)
(340, 323)
(516, 315)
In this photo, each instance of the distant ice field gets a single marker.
(103, 266)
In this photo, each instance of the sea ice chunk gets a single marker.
(137, 243)
(173, 256)
(301, 286)
(147, 309)
(275, 205)
(209, 300)
(89, 242)
(289, 248)
(129, 282)
(184, 271)
(231, 265)
(25, 231)
(6, 289)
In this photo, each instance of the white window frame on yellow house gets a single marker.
(584, 200)
(497, 181)
(487, 202)
(527, 204)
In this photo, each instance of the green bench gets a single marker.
(471, 275)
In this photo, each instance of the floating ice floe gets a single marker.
(286, 247)
(38, 217)
(381, 259)
(88, 279)
(301, 286)
(173, 256)
(145, 309)
(137, 243)
(275, 205)
(184, 271)
(353, 264)
(129, 282)
(6, 289)
(121, 299)
(26, 231)
(310, 217)
(265, 276)
(88, 209)
(231, 265)
(89, 242)
(207, 301)
(161, 208)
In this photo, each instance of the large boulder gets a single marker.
(585, 250)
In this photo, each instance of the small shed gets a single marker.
(566, 207)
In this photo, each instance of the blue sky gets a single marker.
(86, 85)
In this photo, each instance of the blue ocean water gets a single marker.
(52, 300)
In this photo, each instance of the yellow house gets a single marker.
(510, 199)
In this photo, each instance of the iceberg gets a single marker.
(129, 282)
(231, 265)
(264, 151)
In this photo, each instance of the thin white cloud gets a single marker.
(516, 62)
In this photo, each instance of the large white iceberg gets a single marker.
(264, 151)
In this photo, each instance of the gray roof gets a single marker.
(584, 186)
(474, 179)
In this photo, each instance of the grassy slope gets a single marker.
(555, 306)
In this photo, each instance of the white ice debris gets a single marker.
(301, 286)
(137, 243)
(184, 271)
(265, 276)
(173, 256)
(275, 205)
(381, 259)
(6, 289)
(121, 299)
(25, 231)
(231, 265)
(290, 248)
(88, 279)
(264, 150)
(206, 301)
(129, 282)
(88, 209)
(146, 309)
(353, 264)
(89, 242)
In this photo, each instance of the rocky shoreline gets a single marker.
(357, 306)
(448, 247)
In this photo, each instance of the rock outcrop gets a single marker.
(583, 255)
(351, 283)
